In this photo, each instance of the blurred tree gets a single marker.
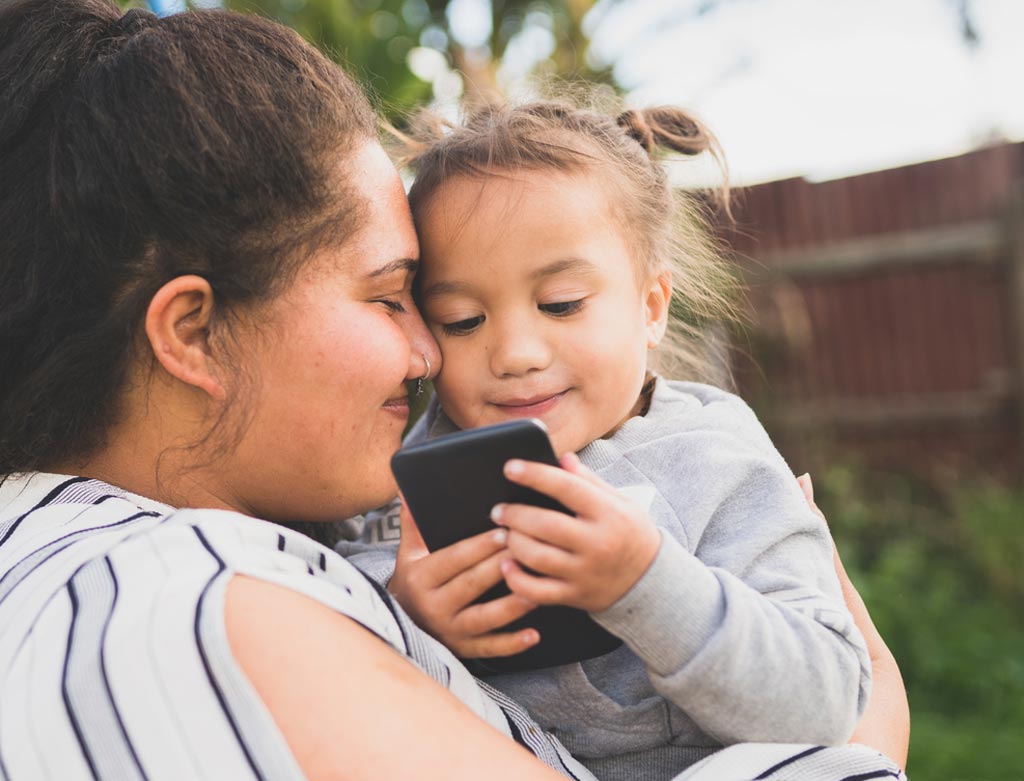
(409, 51)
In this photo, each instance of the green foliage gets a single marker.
(373, 39)
(940, 572)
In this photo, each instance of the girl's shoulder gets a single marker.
(697, 406)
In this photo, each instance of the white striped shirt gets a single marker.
(115, 663)
(114, 658)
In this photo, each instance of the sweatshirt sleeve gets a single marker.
(750, 636)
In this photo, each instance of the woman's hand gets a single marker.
(437, 590)
(885, 725)
(588, 561)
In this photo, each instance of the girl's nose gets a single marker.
(517, 351)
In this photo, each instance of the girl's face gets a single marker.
(530, 289)
(330, 358)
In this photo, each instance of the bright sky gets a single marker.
(824, 88)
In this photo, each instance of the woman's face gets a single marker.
(330, 359)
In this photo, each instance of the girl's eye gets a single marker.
(562, 308)
(462, 327)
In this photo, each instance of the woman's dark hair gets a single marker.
(133, 150)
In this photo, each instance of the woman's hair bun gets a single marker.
(130, 22)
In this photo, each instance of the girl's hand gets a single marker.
(589, 561)
(437, 590)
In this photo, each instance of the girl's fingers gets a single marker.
(549, 526)
(486, 617)
(472, 582)
(450, 562)
(500, 644)
(540, 590)
(541, 557)
(582, 496)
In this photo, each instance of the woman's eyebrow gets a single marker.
(410, 265)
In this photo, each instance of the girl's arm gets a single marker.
(755, 622)
(349, 706)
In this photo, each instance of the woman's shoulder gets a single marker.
(54, 527)
(118, 602)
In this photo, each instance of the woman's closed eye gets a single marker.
(391, 304)
(561, 308)
(462, 327)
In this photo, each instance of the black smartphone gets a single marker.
(451, 483)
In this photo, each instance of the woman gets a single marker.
(206, 263)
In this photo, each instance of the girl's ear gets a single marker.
(178, 330)
(656, 306)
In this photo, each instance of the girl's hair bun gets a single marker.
(666, 127)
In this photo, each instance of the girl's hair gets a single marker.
(666, 228)
(133, 150)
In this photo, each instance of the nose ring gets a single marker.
(426, 375)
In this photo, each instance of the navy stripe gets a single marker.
(517, 735)
(280, 542)
(872, 774)
(221, 567)
(323, 562)
(106, 679)
(386, 599)
(5, 592)
(45, 501)
(790, 760)
(90, 700)
(64, 683)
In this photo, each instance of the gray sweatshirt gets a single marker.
(736, 633)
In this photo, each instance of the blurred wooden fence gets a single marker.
(888, 313)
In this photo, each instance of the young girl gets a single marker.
(552, 251)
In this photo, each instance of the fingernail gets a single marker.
(496, 512)
(530, 637)
(513, 467)
(506, 566)
(500, 536)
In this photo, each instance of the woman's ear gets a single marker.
(178, 329)
(658, 298)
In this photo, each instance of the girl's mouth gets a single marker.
(529, 407)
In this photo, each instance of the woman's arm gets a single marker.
(885, 725)
(349, 706)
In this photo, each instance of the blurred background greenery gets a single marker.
(939, 562)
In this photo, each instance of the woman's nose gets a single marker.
(425, 355)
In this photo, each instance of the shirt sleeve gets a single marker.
(754, 617)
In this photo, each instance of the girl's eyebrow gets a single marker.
(455, 287)
(578, 265)
(445, 288)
